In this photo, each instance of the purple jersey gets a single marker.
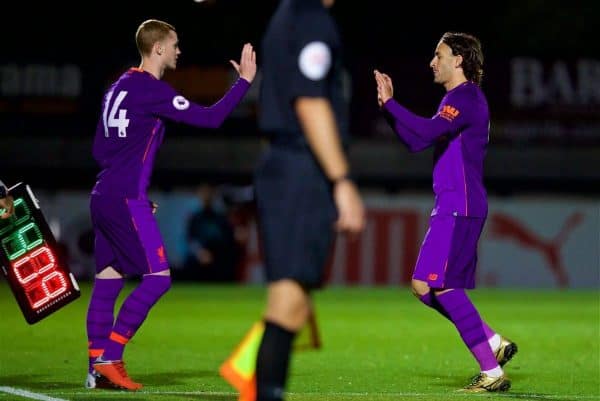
(460, 132)
(131, 128)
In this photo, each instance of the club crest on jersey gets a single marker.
(160, 252)
(181, 103)
(449, 113)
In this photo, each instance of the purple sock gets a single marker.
(431, 301)
(100, 315)
(469, 325)
(489, 332)
(133, 312)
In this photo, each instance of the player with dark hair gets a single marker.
(127, 238)
(459, 131)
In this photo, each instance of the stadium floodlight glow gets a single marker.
(38, 275)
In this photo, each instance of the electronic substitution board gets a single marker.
(35, 269)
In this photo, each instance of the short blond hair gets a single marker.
(149, 32)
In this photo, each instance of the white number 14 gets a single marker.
(122, 122)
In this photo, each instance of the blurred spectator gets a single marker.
(241, 212)
(212, 250)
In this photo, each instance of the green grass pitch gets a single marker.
(379, 344)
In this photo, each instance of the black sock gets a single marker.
(272, 362)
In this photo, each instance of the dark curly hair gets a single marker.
(469, 47)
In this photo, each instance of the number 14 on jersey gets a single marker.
(110, 120)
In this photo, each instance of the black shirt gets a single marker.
(301, 56)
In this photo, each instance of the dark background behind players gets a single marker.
(542, 80)
(541, 76)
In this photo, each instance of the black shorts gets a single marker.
(296, 214)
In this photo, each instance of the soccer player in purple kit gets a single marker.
(459, 131)
(127, 238)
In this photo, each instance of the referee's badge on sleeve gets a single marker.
(315, 60)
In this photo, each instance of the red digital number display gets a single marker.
(39, 274)
(39, 278)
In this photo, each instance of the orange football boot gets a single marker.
(115, 372)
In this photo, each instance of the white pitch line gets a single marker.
(29, 394)
(354, 395)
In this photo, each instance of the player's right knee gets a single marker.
(109, 272)
(419, 288)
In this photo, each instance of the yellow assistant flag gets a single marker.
(239, 369)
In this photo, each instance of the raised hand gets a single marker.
(385, 88)
(247, 66)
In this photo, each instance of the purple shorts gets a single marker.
(448, 255)
(127, 236)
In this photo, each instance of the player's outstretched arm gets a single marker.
(385, 93)
(177, 108)
(409, 125)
